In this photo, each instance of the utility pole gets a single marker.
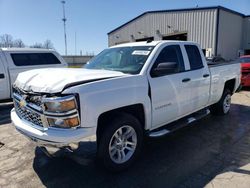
(64, 26)
(75, 44)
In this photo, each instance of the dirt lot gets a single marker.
(213, 152)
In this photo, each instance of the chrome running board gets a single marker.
(166, 129)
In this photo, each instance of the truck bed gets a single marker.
(220, 73)
(212, 64)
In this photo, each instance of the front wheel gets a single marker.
(224, 104)
(120, 143)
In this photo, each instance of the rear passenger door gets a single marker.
(169, 94)
(199, 78)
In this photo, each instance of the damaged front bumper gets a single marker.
(53, 140)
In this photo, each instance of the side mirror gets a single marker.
(164, 68)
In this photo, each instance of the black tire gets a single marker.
(218, 108)
(103, 152)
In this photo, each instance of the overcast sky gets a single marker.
(91, 20)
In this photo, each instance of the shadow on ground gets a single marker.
(190, 157)
(5, 109)
(245, 89)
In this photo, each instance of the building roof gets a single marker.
(180, 10)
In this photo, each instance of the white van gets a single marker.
(16, 60)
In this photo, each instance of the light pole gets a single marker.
(64, 26)
(75, 43)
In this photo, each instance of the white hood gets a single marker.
(53, 80)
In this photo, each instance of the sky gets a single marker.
(88, 21)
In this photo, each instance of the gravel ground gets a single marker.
(213, 152)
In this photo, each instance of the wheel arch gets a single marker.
(230, 84)
(137, 110)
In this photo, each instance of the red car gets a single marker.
(245, 70)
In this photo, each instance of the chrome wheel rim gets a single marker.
(123, 144)
(227, 103)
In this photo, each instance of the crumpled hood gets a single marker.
(53, 80)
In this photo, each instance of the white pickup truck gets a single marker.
(124, 93)
(16, 60)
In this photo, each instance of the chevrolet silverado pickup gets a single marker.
(125, 93)
(16, 60)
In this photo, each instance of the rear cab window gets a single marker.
(194, 57)
(31, 59)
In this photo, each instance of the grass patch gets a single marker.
(75, 66)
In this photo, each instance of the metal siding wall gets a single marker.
(246, 33)
(230, 35)
(200, 26)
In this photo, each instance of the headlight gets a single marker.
(61, 112)
(60, 104)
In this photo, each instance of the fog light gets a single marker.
(72, 122)
(64, 123)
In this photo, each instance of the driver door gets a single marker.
(169, 93)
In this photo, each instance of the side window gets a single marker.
(30, 59)
(194, 57)
(169, 55)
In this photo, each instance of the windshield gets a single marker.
(245, 59)
(124, 59)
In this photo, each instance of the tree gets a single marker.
(6, 41)
(37, 45)
(18, 43)
(48, 44)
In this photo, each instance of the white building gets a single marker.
(219, 31)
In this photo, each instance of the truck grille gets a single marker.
(32, 98)
(30, 111)
(17, 91)
(28, 115)
(29, 106)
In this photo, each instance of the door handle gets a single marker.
(205, 75)
(2, 76)
(186, 80)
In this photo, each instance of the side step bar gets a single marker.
(159, 133)
(179, 124)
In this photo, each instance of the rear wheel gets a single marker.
(224, 104)
(120, 143)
